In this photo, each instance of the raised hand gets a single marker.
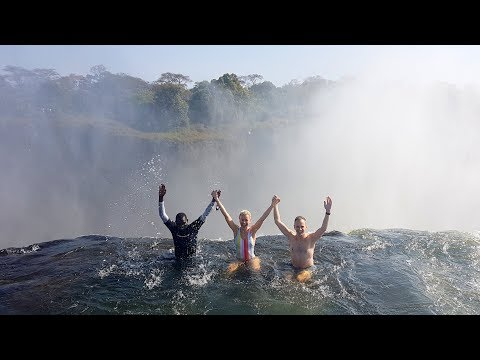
(216, 195)
(327, 204)
(275, 200)
(161, 192)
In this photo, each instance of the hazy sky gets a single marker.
(276, 63)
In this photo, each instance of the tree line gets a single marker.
(166, 104)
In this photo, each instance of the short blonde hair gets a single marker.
(300, 217)
(245, 212)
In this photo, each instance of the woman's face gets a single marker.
(244, 220)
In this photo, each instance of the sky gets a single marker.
(276, 63)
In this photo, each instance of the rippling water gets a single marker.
(394, 271)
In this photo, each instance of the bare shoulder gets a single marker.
(291, 236)
(313, 237)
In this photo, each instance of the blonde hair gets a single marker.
(245, 212)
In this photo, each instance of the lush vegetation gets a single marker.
(166, 108)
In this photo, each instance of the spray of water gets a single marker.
(395, 147)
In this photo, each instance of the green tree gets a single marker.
(250, 80)
(27, 85)
(266, 100)
(231, 102)
(171, 105)
(201, 103)
(176, 79)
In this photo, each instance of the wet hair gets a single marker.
(245, 212)
(179, 218)
(300, 217)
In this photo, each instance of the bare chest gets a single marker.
(300, 244)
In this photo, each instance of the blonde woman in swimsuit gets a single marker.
(244, 235)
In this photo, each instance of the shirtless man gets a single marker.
(302, 243)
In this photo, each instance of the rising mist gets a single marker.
(391, 153)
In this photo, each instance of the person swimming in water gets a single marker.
(244, 236)
(184, 234)
(302, 243)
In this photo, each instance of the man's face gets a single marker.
(300, 226)
(181, 219)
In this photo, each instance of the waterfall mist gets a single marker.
(391, 154)
(394, 147)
